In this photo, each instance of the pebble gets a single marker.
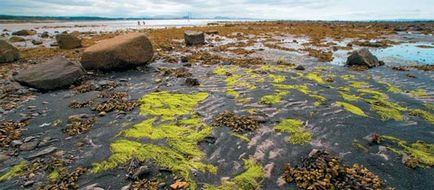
(4, 157)
(102, 114)
(43, 152)
(28, 146)
(16, 143)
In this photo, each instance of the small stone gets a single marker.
(300, 68)
(28, 183)
(184, 59)
(36, 42)
(102, 114)
(16, 143)
(43, 152)
(192, 82)
(3, 157)
(28, 146)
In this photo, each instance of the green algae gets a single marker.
(315, 77)
(232, 80)
(352, 108)
(273, 99)
(348, 77)
(374, 93)
(387, 110)
(295, 128)
(391, 87)
(344, 89)
(429, 106)
(54, 175)
(423, 114)
(14, 171)
(220, 71)
(418, 93)
(277, 78)
(359, 145)
(125, 150)
(233, 93)
(319, 99)
(240, 136)
(301, 88)
(419, 150)
(250, 179)
(169, 105)
(359, 84)
(349, 97)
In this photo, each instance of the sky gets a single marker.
(258, 9)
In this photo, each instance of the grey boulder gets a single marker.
(8, 53)
(68, 41)
(363, 58)
(55, 73)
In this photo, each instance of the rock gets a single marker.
(363, 58)
(184, 59)
(54, 44)
(28, 183)
(36, 42)
(28, 146)
(141, 171)
(43, 152)
(3, 157)
(16, 143)
(14, 39)
(122, 52)
(55, 73)
(45, 34)
(68, 41)
(300, 68)
(24, 33)
(212, 32)
(194, 38)
(8, 53)
(192, 82)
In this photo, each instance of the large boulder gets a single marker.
(121, 52)
(14, 39)
(24, 33)
(55, 73)
(363, 58)
(8, 53)
(68, 41)
(194, 38)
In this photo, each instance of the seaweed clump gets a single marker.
(79, 124)
(294, 127)
(116, 101)
(250, 179)
(144, 184)
(10, 131)
(416, 154)
(352, 108)
(324, 171)
(422, 114)
(67, 180)
(238, 124)
(14, 171)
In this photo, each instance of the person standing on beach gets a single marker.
(138, 22)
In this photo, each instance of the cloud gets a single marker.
(263, 9)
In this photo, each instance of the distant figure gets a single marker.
(144, 23)
(138, 22)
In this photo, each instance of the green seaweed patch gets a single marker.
(387, 110)
(301, 88)
(391, 87)
(418, 93)
(419, 151)
(182, 137)
(125, 150)
(352, 108)
(273, 99)
(318, 99)
(221, 71)
(348, 77)
(422, 114)
(359, 84)
(349, 97)
(250, 179)
(315, 77)
(14, 171)
(294, 127)
(277, 78)
(233, 93)
(169, 105)
(54, 175)
(374, 93)
(429, 106)
(240, 136)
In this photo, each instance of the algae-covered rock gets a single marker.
(14, 39)
(363, 57)
(55, 73)
(121, 52)
(8, 53)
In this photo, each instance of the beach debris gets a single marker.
(8, 53)
(55, 73)
(121, 52)
(79, 124)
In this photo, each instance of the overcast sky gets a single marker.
(263, 9)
